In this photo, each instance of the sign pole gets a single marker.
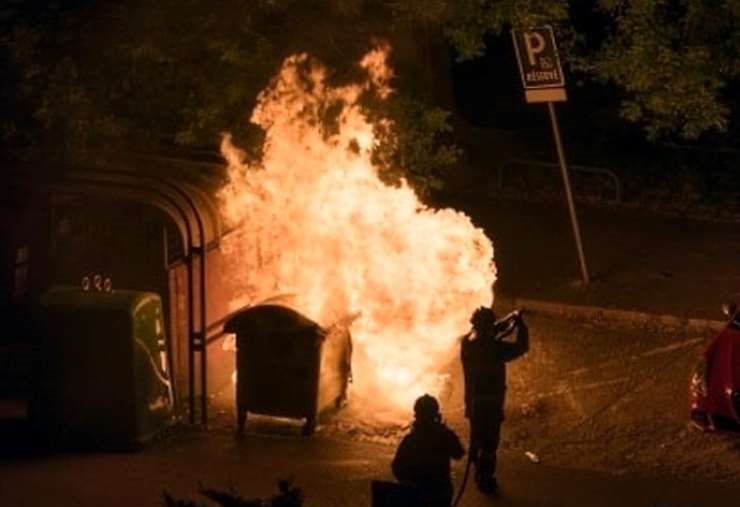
(543, 81)
(568, 193)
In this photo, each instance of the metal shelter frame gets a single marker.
(198, 221)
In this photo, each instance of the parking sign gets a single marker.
(543, 80)
(539, 64)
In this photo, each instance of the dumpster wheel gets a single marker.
(309, 427)
(241, 422)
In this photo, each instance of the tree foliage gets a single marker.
(84, 75)
(676, 61)
(139, 73)
(99, 75)
(417, 144)
(466, 23)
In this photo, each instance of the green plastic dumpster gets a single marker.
(288, 365)
(103, 378)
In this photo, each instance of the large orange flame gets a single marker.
(315, 221)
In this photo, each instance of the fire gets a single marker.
(313, 220)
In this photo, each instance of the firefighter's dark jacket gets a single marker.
(484, 365)
(423, 457)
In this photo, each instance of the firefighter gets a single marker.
(422, 460)
(484, 355)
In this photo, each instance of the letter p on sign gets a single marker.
(534, 44)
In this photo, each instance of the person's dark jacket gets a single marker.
(423, 458)
(484, 361)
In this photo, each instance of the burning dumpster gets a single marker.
(288, 365)
(104, 376)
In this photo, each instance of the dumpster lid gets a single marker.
(278, 319)
(127, 300)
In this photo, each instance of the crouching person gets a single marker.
(422, 460)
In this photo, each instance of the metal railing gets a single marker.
(600, 171)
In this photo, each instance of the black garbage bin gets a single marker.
(103, 380)
(288, 365)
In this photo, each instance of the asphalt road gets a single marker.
(637, 261)
(578, 360)
(332, 471)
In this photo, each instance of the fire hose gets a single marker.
(503, 327)
(464, 479)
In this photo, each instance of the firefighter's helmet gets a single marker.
(426, 408)
(483, 318)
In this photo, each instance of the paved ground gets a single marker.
(637, 261)
(648, 264)
(333, 473)
(602, 405)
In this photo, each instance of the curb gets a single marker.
(600, 313)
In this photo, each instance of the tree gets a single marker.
(98, 75)
(675, 62)
(84, 75)
(466, 23)
(138, 74)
